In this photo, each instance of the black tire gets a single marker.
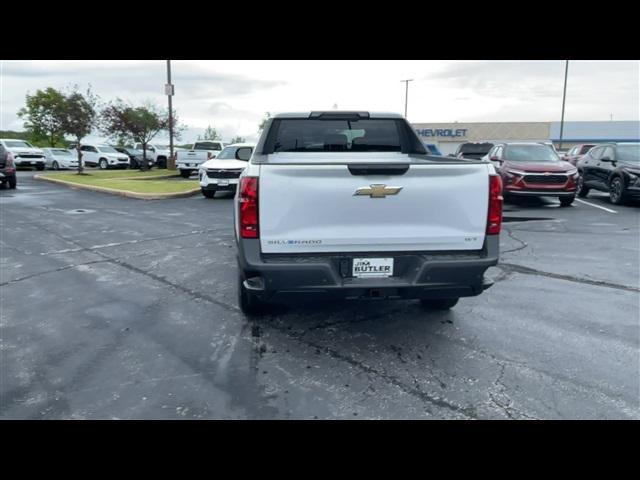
(616, 191)
(161, 162)
(439, 304)
(12, 183)
(208, 193)
(566, 201)
(103, 164)
(185, 173)
(581, 189)
(40, 167)
(55, 165)
(249, 304)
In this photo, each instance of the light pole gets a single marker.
(406, 94)
(169, 92)
(564, 96)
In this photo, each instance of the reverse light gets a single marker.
(494, 217)
(248, 207)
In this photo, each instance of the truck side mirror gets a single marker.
(243, 153)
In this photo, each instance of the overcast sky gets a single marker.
(233, 96)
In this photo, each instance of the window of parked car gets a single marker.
(60, 151)
(207, 146)
(17, 144)
(585, 149)
(530, 153)
(88, 148)
(628, 153)
(608, 153)
(107, 149)
(228, 153)
(596, 153)
(496, 152)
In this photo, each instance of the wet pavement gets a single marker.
(122, 308)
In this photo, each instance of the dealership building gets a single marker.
(447, 136)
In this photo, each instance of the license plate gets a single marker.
(223, 183)
(372, 267)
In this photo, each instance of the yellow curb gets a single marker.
(123, 193)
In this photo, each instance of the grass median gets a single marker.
(128, 180)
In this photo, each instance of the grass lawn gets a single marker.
(71, 174)
(113, 179)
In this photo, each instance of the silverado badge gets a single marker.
(378, 190)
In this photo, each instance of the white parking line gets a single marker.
(597, 206)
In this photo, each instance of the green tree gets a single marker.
(238, 139)
(126, 123)
(43, 115)
(210, 134)
(79, 117)
(264, 121)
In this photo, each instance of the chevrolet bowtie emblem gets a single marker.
(378, 190)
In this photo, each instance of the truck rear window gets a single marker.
(335, 135)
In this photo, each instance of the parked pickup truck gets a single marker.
(157, 153)
(350, 205)
(24, 154)
(189, 161)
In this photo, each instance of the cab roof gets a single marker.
(337, 114)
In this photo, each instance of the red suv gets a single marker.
(534, 169)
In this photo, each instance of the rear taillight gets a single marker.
(494, 218)
(248, 207)
(9, 163)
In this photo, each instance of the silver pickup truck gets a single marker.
(189, 161)
(350, 205)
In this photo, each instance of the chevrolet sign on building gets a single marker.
(447, 136)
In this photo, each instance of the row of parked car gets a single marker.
(537, 169)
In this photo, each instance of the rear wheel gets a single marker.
(40, 167)
(185, 173)
(208, 193)
(103, 164)
(248, 302)
(566, 201)
(55, 165)
(12, 182)
(616, 191)
(581, 189)
(439, 304)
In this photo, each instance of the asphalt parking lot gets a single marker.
(115, 308)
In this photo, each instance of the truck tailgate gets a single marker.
(313, 206)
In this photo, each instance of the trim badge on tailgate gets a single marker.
(378, 190)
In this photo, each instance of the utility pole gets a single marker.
(406, 94)
(169, 91)
(564, 96)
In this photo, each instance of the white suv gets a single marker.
(222, 173)
(103, 156)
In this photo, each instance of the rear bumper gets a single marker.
(416, 274)
(28, 162)
(188, 166)
(540, 193)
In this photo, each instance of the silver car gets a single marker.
(60, 158)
